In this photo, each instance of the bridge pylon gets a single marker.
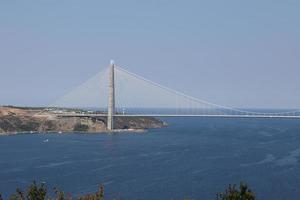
(111, 97)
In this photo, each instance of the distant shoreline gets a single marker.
(115, 131)
(30, 120)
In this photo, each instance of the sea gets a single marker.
(192, 157)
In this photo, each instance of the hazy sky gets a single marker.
(235, 53)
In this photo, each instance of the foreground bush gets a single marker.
(232, 193)
(39, 192)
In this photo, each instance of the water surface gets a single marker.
(192, 157)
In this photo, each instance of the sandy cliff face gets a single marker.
(14, 120)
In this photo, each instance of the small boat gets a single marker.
(47, 140)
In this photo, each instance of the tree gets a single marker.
(60, 195)
(97, 196)
(232, 193)
(34, 192)
(39, 192)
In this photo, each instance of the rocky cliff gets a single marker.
(15, 120)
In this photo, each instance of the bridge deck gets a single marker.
(174, 115)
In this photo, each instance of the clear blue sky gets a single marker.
(235, 53)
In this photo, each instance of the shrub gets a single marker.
(34, 192)
(39, 192)
(97, 196)
(232, 193)
(60, 195)
(80, 127)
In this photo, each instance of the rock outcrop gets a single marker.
(16, 120)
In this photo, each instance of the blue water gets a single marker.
(192, 157)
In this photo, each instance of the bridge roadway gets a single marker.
(188, 115)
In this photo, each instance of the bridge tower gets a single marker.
(111, 97)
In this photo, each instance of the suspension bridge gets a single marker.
(116, 92)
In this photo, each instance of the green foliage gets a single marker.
(29, 126)
(25, 108)
(60, 195)
(13, 123)
(232, 193)
(34, 192)
(10, 123)
(97, 196)
(81, 127)
(39, 192)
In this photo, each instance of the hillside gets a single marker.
(16, 120)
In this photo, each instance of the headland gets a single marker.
(15, 120)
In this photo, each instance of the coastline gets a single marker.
(115, 131)
(18, 120)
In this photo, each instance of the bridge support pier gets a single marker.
(111, 97)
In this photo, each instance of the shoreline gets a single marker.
(75, 132)
(16, 120)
